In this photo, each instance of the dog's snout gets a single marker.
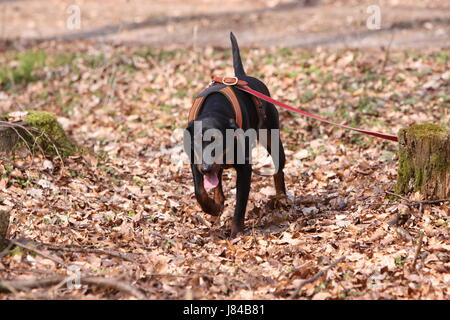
(207, 168)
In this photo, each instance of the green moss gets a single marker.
(440, 161)
(423, 156)
(419, 178)
(427, 130)
(405, 171)
(50, 136)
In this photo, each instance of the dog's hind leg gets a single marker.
(279, 161)
(276, 152)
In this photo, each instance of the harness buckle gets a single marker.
(235, 81)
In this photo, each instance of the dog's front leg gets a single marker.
(243, 180)
(207, 204)
(219, 197)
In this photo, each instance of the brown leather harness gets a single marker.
(223, 86)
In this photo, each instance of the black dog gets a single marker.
(218, 113)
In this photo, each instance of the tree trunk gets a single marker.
(424, 161)
(4, 223)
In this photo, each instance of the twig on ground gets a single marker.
(38, 252)
(8, 287)
(22, 285)
(169, 275)
(419, 247)
(6, 251)
(112, 253)
(23, 270)
(432, 201)
(399, 196)
(115, 284)
(315, 277)
(384, 204)
(416, 202)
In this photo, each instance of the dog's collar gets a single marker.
(228, 81)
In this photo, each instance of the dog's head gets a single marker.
(206, 143)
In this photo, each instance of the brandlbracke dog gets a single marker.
(225, 124)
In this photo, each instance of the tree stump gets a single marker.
(35, 128)
(8, 139)
(4, 224)
(424, 161)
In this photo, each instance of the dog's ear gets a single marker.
(190, 127)
(187, 137)
(233, 124)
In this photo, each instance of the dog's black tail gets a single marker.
(237, 61)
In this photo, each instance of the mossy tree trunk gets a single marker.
(4, 224)
(424, 161)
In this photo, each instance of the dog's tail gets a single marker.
(237, 61)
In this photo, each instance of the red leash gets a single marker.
(242, 85)
(270, 100)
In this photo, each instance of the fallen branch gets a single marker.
(315, 277)
(419, 247)
(88, 250)
(170, 275)
(6, 251)
(23, 285)
(386, 204)
(415, 202)
(432, 201)
(115, 284)
(38, 252)
(8, 287)
(399, 196)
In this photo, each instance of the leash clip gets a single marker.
(224, 81)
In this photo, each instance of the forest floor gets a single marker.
(133, 197)
(124, 215)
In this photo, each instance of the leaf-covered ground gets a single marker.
(132, 199)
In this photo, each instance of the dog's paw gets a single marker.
(278, 201)
(236, 229)
(213, 208)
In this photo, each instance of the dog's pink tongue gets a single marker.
(210, 181)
